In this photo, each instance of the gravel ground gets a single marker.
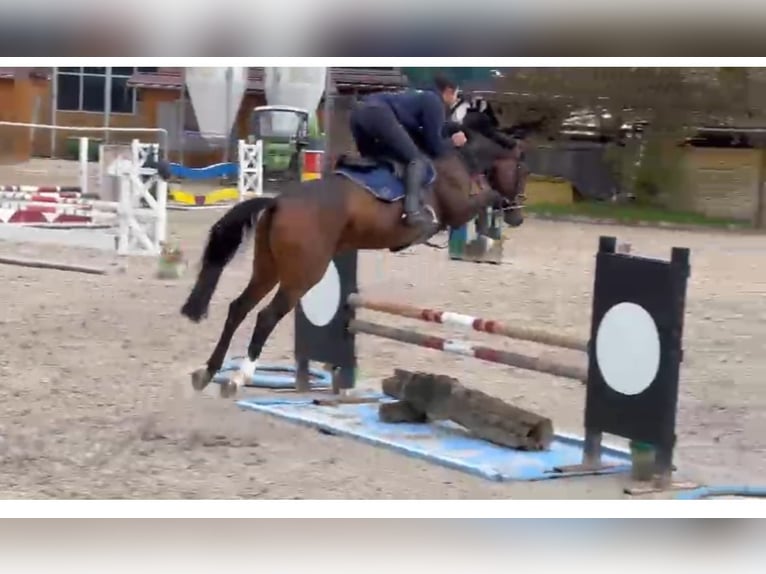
(97, 402)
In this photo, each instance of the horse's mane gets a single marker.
(477, 155)
(486, 143)
(480, 152)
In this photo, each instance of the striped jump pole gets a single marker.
(57, 189)
(48, 202)
(467, 349)
(44, 204)
(52, 265)
(449, 318)
(47, 197)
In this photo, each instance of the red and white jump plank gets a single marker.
(467, 349)
(468, 322)
(43, 215)
(49, 196)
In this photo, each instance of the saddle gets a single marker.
(366, 164)
(370, 173)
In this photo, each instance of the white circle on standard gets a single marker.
(628, 348)
(321, 302)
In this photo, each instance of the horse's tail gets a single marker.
(224, 239)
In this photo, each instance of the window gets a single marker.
(84, 90)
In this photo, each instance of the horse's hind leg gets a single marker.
(262, 281)
(268, 318)
(299, 266)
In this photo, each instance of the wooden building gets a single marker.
(76, 97)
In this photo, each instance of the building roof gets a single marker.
(358, 78)
(39, 73)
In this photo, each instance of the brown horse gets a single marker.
(299, 232)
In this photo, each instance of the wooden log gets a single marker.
(401, 412)
(52, 265)
(336, 401)
(440, 397)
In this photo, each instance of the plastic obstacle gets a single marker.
(634, 351)
(247, 171)
(222, 197)
(180, 198)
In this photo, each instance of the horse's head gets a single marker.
(504, 169)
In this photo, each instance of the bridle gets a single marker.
(476, 125)
(518, 198)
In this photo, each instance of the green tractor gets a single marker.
(285, 132)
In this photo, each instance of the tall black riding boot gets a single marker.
(414, 176)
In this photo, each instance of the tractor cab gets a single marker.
(286, 132)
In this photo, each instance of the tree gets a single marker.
(420, 77)
(670, 102)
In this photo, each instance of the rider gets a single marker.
(388, 124)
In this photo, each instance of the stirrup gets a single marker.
(417, 218)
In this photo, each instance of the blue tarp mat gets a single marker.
(442, 443)
(273, 376)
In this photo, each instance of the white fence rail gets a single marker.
(139, 212)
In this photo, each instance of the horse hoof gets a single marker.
(229, 389)
(200, 379)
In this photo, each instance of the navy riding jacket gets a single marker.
(421, 113)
